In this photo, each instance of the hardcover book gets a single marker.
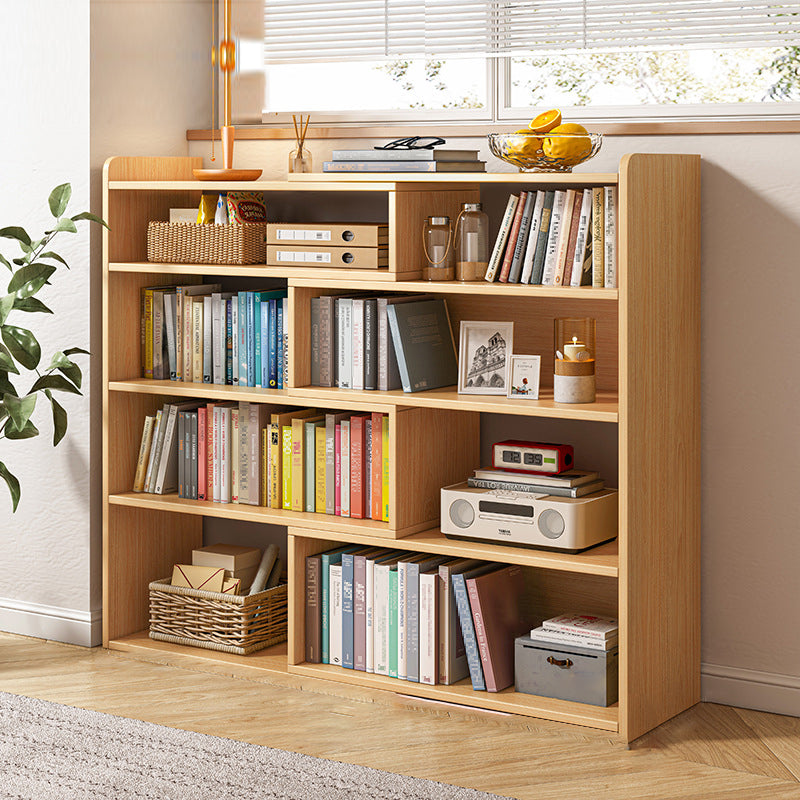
(313, 610)
(404, 166)
(420, 154)
(423, 341)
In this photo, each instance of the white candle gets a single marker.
(571, 351)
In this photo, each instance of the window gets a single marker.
(497, 59)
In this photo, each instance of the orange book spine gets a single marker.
(357, 447)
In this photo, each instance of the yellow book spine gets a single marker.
(275, 486)
(286, 467)
(265, 474)
(385, 456)
(147, 366)
(144, 454)
(298, 468)
(319, 472)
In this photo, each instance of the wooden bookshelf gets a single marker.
(648, 388)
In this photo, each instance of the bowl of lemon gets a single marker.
(546, 145)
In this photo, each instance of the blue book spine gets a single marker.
(257, 351)
(347, 610)
(251, 340)
(285, 341)
(281, 344)
(242, 324)
(412, 622)
(273, 343)
(265, 336)
(229, 342)
(468, 632)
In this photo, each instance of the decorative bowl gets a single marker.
(545, 152)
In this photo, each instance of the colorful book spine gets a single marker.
(376, 467)
(386, 467)
(337, 470)
(344, 507)
(298, 466)
(335, 639)
(286, 467)
(360, 613)
(319, 472)
(468, 633)
(500, 242)
(313, 650)
(513, 235)
(357, 453)
(347, 610)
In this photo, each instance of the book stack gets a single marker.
(199, 334)
(419, 160)
(575, 483)
(579, 630)
(561, 237)
(414, 616)
(373, 343)
(300, 460)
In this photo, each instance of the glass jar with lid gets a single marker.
(440, 256)
(472, 243)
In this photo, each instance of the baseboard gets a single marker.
(51, 622)
(750, 688)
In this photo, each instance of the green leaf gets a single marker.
(30, 304)
(91, 218)
(64, 224)
(69, 368)
(55, 256)
(29, 279)
(23, 345)
(15, 232)
(72, 350)
(6, 304)
(6, 361)
(56, 382)
(4, 260)
(19, 409)
(59, 419)
(59, 198)
(13, 484)
(6, 387)
(27, 432)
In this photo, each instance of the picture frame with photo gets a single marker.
(484, 354)
(523, 381)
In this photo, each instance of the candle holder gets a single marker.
(574, 378)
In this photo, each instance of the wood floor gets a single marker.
(710, 752)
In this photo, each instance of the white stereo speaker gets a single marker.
(532, 520)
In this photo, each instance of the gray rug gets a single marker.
(54, 752)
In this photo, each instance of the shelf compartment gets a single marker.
(461, 693)
(601, 560)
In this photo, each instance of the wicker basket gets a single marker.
(187, 243)
(238, 624)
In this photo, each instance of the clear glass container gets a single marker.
(574, 367)
(472, 243)
(300, 160)
(440, 255)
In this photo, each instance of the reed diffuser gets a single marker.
(300, 158)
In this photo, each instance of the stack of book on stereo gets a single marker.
(575, 483)
(419, 160)
(579, 630)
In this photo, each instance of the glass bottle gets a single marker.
(472, 243)
(300, 160)
(440, 256)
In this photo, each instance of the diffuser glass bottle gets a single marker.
(472, 243)
(440, 256)
(300, 160)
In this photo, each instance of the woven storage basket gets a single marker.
(187, 243)
(238, 624)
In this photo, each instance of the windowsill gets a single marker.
(395, 130)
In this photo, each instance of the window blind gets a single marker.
(342, 30)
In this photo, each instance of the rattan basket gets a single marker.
(238, 624)
(187, 243)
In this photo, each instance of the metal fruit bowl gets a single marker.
(545, 152)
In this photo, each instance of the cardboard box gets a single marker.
(232, 557)
(245, 575)
(209, 579)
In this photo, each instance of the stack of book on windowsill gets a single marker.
(582, 630)
(400, 160)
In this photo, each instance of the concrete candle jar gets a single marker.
(574, 380)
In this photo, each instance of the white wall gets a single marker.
(750, 361)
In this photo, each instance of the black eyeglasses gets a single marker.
(413, 143)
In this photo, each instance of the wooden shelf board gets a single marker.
(425, 179)
(228, 270)
(270, 516)
(605, 409)
(462, 693)
(600, 560)
(385, 183)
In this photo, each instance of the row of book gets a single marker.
(561, 237)
(414, 616)
(296, 460)
(200, 334)
(382, 343)
(419, 159)
(573, 483)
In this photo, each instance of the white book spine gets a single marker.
(428, 644)
(584, 231)
(335, 614)
(610, 279)
(496, 257)
(551, 254)
(235, 337)
(370, 614)
(345, 342)
(530, 250)
(563, 238)
(344, 449)
(357, 379)
(402, 621)
(380, 614)
(168, 443)
(149, 478)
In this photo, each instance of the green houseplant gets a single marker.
(20, 352)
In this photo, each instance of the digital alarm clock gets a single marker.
(543, 459)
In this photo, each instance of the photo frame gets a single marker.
(484, 355)
(523, 380)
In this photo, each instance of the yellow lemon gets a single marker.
(545, 121)
(569, 150)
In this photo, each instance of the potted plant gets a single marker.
(22, 378)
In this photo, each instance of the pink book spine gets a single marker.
(480, 635)
(201, 453)
(337, 454)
